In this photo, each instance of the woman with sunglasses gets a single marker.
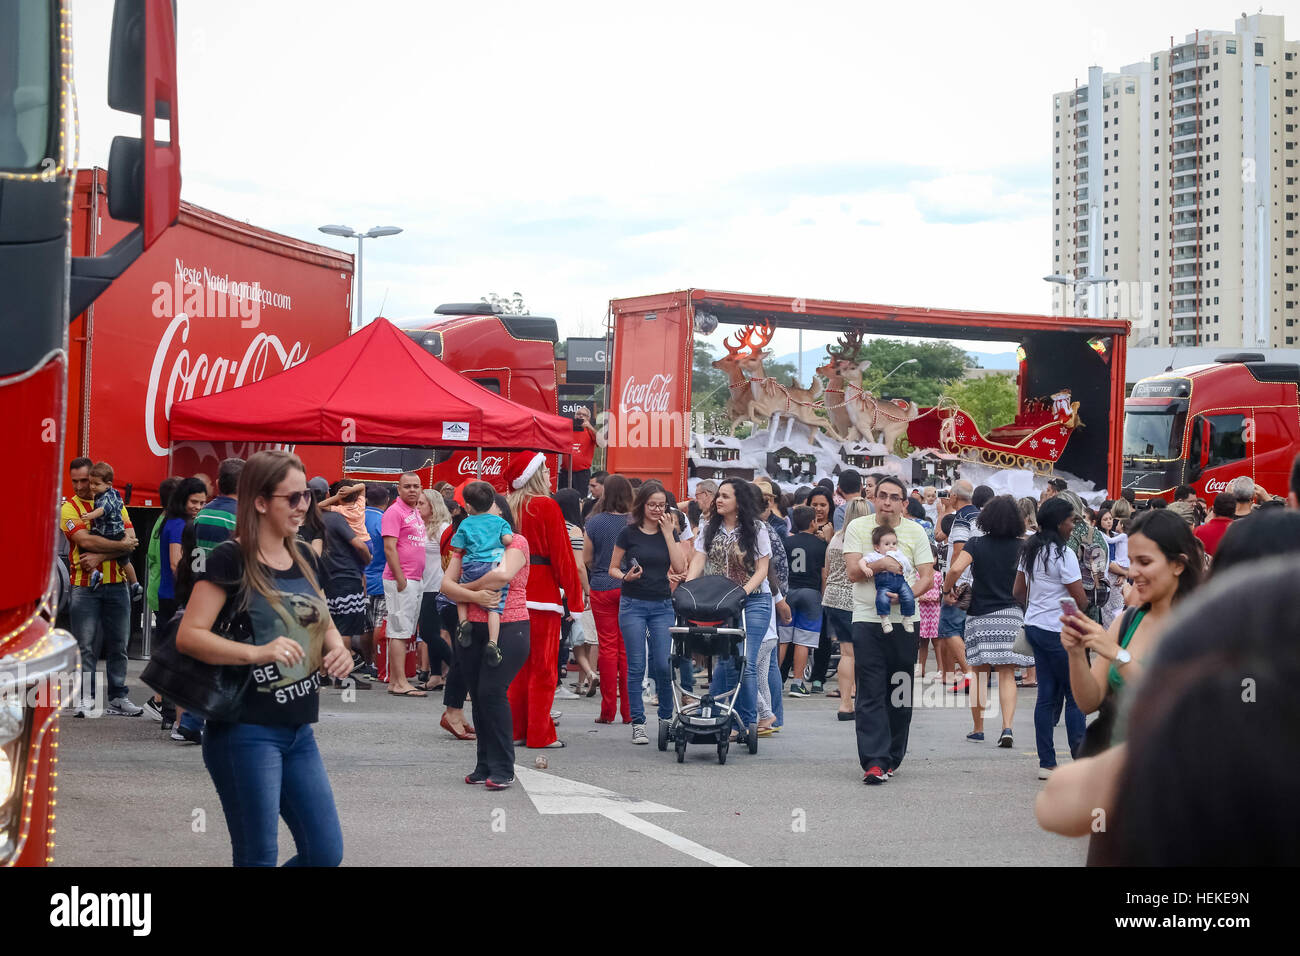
(266, 765)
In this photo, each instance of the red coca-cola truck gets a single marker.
(513, 355)
(213, 304)
(1205, 425)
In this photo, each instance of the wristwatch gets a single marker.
(1123, 657)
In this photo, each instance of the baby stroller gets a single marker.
(709, 622)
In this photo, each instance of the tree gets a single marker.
(936, 365)
(991, 400)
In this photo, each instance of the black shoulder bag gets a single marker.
(213, 691)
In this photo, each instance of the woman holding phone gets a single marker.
(1165, 562)
(1048, 582)
(646, 551)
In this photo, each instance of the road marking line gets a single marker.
(670, 839)
(558, 795)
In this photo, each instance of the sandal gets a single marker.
(593, 684)
(832, 693)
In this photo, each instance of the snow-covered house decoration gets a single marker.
(717, 457)
(931, 467)
(783, 463)
(862, 455)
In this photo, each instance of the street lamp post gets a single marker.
(347, 232)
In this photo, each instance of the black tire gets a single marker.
(752, 738)
(663, 735)
(681, 751)
(722, 752)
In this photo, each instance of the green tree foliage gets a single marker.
(991, 400)
(937, 364)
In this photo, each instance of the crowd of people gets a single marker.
(502, 598)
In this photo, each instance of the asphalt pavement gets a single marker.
(129, 796)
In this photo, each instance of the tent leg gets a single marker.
(478, 472)
(570, 471)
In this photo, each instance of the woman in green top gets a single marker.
(1166, 564)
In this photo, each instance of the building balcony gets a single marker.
(1184, 272)
(1185, 255)
(1188, 145)
(1181, 186)
(1184, 200)
(1186, 95)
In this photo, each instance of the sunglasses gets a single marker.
(294, 498)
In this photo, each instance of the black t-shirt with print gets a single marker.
(278, 694)
(651, 552)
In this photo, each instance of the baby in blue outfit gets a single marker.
(483, 537)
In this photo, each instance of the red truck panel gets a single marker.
(142, 345)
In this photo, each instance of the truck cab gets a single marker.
(1205, 425)
(513, 355)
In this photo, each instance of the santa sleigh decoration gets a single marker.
(1034, 440)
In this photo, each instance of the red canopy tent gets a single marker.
(377, 387)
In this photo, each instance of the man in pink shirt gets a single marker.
(404, 538)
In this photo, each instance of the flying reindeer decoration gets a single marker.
(755, 395)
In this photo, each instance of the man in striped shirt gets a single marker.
(101, 616)
(216, 522)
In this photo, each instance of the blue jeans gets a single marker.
(639, 619)
(265, 772)
(774, 687)
(1053, 669)
(887, 581)
(758, 613)
(101, 620)
(474, 570)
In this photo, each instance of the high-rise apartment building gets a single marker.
(1177, 185)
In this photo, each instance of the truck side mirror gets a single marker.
(144, 176)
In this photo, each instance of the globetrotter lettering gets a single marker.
(492, 465)
(265, 355)
(651, 397)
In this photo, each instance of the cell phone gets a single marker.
(636, 565)
(1068, 606)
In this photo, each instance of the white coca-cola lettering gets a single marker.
(653, 396)
(492, 465)
(188, 371)
(1213, 486)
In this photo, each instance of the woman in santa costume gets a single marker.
(551, 570)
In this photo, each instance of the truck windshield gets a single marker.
(1155, 434)
(28, 94)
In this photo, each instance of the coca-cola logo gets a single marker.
(1214, 486)
(653, 396)
(492, 465)
(198, 374)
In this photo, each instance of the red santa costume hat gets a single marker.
(523, 467)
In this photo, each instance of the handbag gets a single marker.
(962, 594)
(1021, 644)
(213, 691)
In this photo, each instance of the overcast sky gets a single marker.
(578, 152)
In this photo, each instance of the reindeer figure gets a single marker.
(843, 371)
(740, 400)
(772, 399)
